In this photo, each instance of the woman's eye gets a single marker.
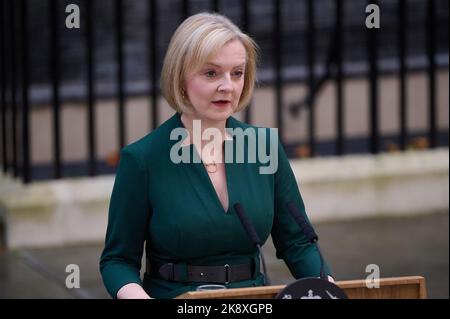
(210, 74)
(238, 74)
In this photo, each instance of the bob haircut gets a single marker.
(197, 39)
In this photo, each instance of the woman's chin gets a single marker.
(220, 115)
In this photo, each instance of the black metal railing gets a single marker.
(17, 76)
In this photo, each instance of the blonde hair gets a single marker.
(195, 40)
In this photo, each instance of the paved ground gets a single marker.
(404, 246)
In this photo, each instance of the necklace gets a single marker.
(211, 167)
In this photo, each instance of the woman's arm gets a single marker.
(129, 213)
(302, 257)
(132, 291)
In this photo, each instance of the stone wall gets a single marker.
(70, 211)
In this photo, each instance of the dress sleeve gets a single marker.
(301, 257)
(129, 212)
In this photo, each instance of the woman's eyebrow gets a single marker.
(219, 66)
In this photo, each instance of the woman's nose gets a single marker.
(225, 84)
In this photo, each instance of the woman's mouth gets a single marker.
(221, 103)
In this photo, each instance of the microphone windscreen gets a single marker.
(247, 224)
(305, 227)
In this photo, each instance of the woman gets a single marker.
(183, 208)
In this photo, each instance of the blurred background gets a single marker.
(362, 113)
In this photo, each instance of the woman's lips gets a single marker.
(221, 103)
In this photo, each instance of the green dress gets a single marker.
(174, 209)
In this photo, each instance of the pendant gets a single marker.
(211, 168)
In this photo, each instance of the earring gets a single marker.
(183, 93)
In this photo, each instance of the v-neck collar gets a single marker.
(228, 124)
(196, 170)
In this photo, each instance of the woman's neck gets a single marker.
(211, 149)
(188, 122)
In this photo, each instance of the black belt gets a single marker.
(189, 273)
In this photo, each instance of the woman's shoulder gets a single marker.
(154, 142)
(238, 125)
(233, 122)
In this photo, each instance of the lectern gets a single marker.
(412, 287)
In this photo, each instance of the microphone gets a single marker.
(308, 231)
(310, 288)
(251, 232)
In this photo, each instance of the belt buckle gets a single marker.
(227, 274)
(167, 271)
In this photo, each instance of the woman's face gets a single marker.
(215, 89)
